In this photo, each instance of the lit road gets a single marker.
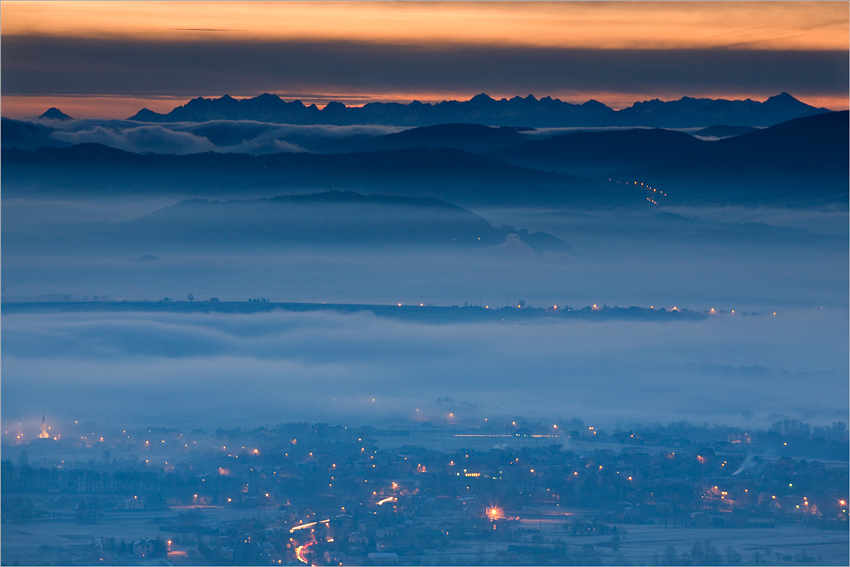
(301, 550)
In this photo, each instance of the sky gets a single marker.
(109, 59)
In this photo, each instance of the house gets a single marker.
(144, 548)
(201, 500)
(134, 503)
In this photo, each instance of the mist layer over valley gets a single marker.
(202, 368)
(746, 367)
(746, 225)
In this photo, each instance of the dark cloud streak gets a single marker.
(49, 65)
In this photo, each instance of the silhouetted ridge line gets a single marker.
(482, 109)
(54, 113)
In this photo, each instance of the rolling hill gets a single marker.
(338, 219)
(452, 175)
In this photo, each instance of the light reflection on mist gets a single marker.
(215, 369)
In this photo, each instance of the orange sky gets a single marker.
(644, 25)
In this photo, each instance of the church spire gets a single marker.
(44, 434)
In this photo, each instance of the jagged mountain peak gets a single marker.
(482, 97)
(483, 109)
(54, 113)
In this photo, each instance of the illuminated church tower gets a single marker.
(44, 434)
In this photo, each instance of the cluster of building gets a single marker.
(322, 495)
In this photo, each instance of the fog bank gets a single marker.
(212, 370)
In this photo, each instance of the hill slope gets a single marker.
(451, 175)
(474, 138)
(802, 161)
(333, 218)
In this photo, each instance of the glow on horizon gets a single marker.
(814, 27)
(593, 25)
(117, 107)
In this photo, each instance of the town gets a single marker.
(505, 491)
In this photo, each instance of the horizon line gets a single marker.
(120, 106)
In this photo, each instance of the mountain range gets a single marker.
(795, 163)
(686, 112)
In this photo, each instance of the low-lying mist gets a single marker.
(213, 369)
(619, 258)
(232, 136)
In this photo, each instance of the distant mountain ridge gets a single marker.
(54, 113)
(802, 162)
(333, 217)
(686, 112)
(328, 218)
